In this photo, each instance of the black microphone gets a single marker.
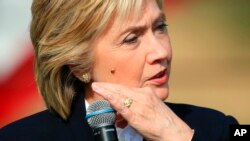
(101, 118)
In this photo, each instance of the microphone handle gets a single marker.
(105, 133)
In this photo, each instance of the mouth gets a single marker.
(160, 78)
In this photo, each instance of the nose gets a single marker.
(159, 50)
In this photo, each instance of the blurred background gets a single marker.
(210, 68)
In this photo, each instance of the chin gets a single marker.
(162, 92)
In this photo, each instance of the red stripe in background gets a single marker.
(18, 95)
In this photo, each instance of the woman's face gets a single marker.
(137, 49)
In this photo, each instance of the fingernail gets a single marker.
(101, 91)
(96, 87)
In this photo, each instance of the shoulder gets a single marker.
(192, 112)
(34, 127)
(209, 123)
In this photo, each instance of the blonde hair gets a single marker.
(61, 33)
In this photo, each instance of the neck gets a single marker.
(90, 95)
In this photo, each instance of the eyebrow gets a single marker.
(160, 17)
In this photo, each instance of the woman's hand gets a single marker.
(147, 114)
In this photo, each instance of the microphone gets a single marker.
(101, 118)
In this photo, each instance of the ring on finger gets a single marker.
(128, 102)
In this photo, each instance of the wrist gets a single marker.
(178, 135)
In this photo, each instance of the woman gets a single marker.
(118, 50)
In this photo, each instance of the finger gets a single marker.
(136, 94)
(109, 90)
(116, 99)
(128, 114)
(117, 94)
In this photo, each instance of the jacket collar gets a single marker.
(78, 125)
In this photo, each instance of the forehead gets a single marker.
(148, 11)
(119, 25)
(146, 14)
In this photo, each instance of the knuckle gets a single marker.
(114, 101)
(134, 119)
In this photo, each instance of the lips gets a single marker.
(159, 78)
(158, 75)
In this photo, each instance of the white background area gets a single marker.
(15, 17)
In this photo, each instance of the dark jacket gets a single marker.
(209, 125)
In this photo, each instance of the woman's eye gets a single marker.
(162, 27)
(131, 38)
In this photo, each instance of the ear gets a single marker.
(76, 72)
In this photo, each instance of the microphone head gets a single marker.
(101, 113)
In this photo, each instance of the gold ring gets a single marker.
(127, 102)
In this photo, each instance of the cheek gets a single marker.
(102, 67)
(98, 73)
(129, 69)
(127, 63)
(128, 74)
